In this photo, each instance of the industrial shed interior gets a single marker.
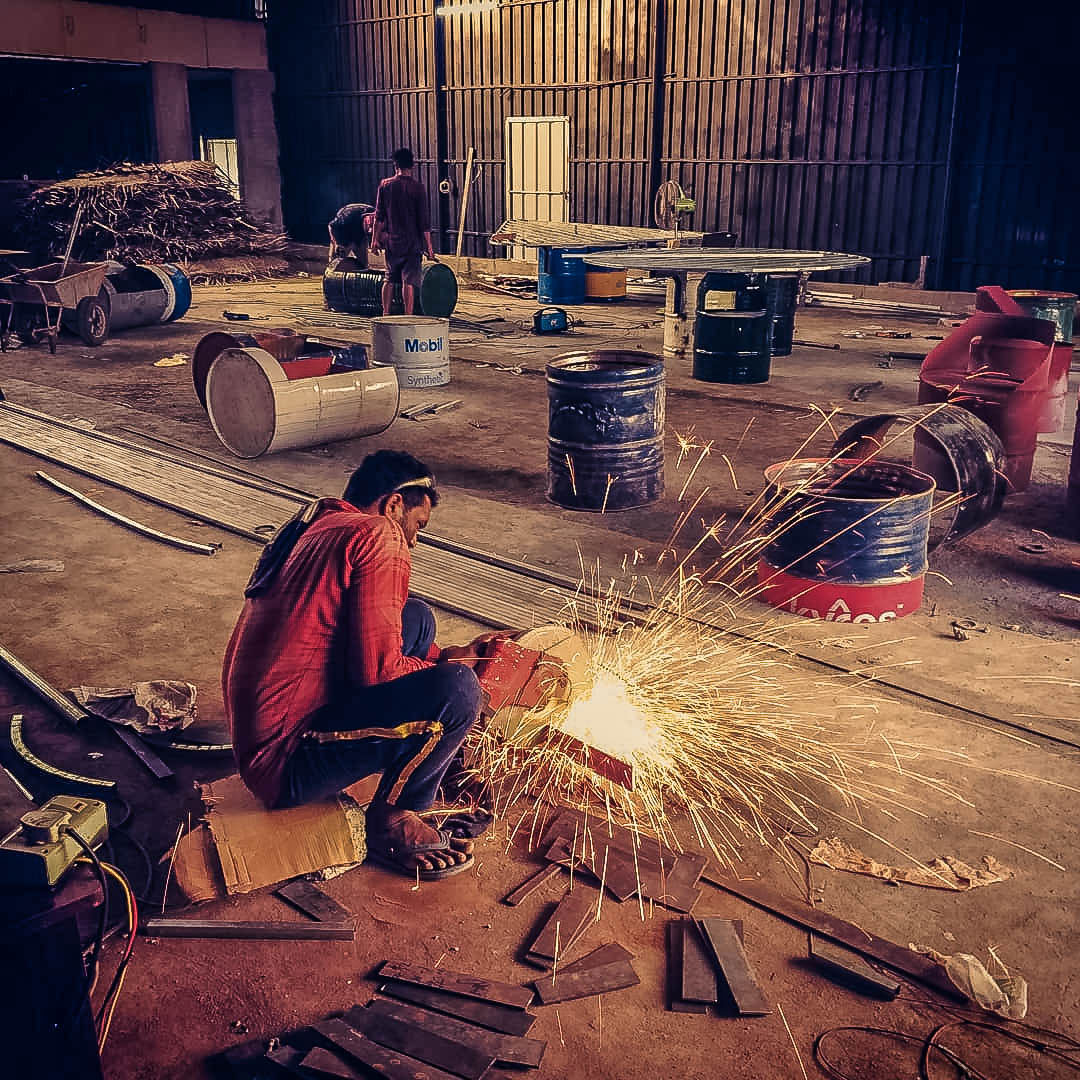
(707, 367)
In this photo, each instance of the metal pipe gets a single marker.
(163, 926)
(946, 194)
(135, 526)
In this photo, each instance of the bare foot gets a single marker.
(394, 832)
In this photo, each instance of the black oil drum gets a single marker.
(781, 294)
(348, 287)
(732, 346)
(605, 430)
(732, 292)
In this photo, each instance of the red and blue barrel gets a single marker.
(849, 539)
(605, 430)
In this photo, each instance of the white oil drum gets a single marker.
(417, 346)
(256, 409)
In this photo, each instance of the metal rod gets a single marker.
(163, 926)
(18, 744)
(135, 526)
(464, 202)
(69, 710)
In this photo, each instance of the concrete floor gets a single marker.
(126, 608)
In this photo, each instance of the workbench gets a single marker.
(678, 263)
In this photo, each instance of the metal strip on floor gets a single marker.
(443, 573)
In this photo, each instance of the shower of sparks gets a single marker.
(687, 683)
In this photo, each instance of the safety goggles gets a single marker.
(427, 482)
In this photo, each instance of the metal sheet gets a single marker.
(569, 234)
(730, 260)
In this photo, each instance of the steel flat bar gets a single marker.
(164, 926)
(505, 1049)
(496, 1017)
(727, 950)
(68, 709)
(851, 970)
(313, 902)
(421, 1043)
(531, 884)
(146, 756)
(129, 523)
(588, 983)
(901, 959)
(517, 997)
(675, 933)
(317, 1062)
(388, 1064)
(564, 925)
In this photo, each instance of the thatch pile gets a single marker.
(175, 212)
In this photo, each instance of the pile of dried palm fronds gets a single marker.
(178, 212)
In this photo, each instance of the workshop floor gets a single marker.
(126, 608)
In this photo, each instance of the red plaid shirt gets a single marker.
(330, 622)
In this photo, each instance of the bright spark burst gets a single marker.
(690, 687)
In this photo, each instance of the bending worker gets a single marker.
(403, 230)
(349, 233)
(332, 673)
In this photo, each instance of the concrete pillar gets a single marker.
(172, 112)
(257, 142)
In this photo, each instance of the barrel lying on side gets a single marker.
(605, 430)
(256, 409)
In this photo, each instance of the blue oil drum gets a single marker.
(560, 280)
(864, 522)
(605, 430)
(141, 294)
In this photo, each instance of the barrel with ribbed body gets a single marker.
(849, 520)
(351, 288)
(781, 295)
(732, 346)
(849, 539)
(605, 430)
(560, 280)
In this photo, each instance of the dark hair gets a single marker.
(384, 471)
(403, 158)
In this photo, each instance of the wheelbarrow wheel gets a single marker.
(92, 320)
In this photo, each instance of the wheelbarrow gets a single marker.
(59, 290)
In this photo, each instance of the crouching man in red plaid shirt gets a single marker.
(332, 673)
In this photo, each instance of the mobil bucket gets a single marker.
(417, 346)
(605, 430)
(849, 539)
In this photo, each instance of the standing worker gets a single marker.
(402, 230)
(349, 233)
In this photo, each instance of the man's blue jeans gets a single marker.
(412, 765)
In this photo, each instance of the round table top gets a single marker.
(732, 260)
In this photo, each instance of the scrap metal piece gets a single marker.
(69, 710)
(143, 752)
(730, 957)
(377, 1059)
(129, 523)
(15, 733)
(586, 983)
(698, 982)
(906, 961)
(531, 884)
(605, 954)
(564, 926)
(422, 1044)
(496, 1017)
(166, 926)
(313, 902)
(517, 997)
(320, 1062)
(676, 932)
(851, 970)
(505, 1049)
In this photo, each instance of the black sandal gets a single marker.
(395, 858)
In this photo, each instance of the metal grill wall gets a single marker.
(794, 123)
